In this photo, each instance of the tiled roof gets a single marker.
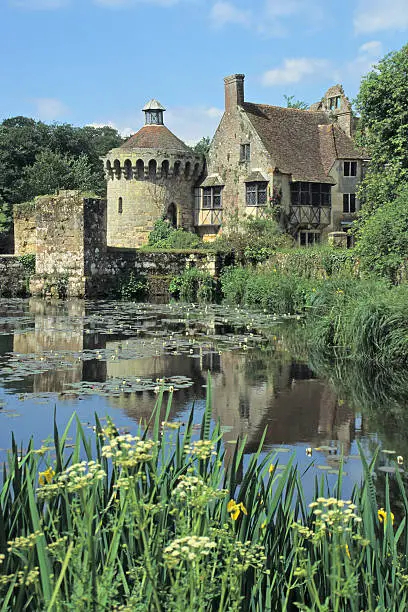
(334, 144)
(291, 137)
(256, 177)
(155, 137)
(212, 181)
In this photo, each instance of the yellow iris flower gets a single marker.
(46, 477)
(235, 509)
(382, 516)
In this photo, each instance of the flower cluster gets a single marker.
(191, 548)
(196, 491)
(128, 450)
(21, 543)
(248, 555)
(77, 476)
(171, 425)
(235, 509)
(335, 514)
(201, 449)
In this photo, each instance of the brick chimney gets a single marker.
(234, 91)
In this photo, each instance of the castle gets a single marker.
(301, 164)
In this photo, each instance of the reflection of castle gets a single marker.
(251, 390)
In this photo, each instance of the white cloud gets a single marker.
(368, 54)
(49, 109)
(378, 15)
(295, 70)
(226, 12)
(39, 4)
(123, 131)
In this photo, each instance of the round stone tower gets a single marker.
(153, 174)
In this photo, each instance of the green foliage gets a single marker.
(272, 290)
(252, 239)
(132, 287)
(292, 103)
(54, 171)
(72, 154)
(28, 261)
(164, 236)
(383, 129)
(203, 145)
(193, 285)
(382, 241)
(315, 262)
(158, 522)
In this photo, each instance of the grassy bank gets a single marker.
(158, 521)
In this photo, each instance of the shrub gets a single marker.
(382, 240)
(193, 285)
(132, 287)
(164, 236)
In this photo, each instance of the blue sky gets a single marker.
(99, 61)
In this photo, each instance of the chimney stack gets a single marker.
(234, 91)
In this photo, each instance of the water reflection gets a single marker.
(90, 356)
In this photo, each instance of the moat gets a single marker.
(112, 358)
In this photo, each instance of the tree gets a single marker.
(383, 129)
(53, 171)
(203, 145)
(382, 241)
(292, 103)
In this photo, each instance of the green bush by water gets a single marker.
(160, 521)
(193, 285)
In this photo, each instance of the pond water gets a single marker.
(107, 357)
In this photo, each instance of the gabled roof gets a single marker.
(155, 137)
(302, 143)
(334, 144)
(291, 137)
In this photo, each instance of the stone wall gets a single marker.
(25, 228)
(13, 277)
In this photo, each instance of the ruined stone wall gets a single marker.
(25, 228)
(13, 277)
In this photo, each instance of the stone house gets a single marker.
(302, 163)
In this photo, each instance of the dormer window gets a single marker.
(334, 103)
(154, 113)
(350, 168)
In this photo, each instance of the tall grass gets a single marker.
(162, 522)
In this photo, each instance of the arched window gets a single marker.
(196, 169)
(109, 171)
(187, 170)
(165, 168)
(152, 168)
(127, 169)
(140, 168)
(177, 165)
(120, 206)
(116, 166)
(172, 214)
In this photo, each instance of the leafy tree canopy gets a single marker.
(383, 129)
(292, 103)
(382, 241)
(36, 158)
(203, 145)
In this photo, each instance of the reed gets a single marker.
(160, 521)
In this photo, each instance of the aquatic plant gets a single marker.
(160, 521)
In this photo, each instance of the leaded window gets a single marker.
(310, 194)
(212, 197)
(245, 152)
(256, 194)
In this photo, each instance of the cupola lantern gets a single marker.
(154, 113)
